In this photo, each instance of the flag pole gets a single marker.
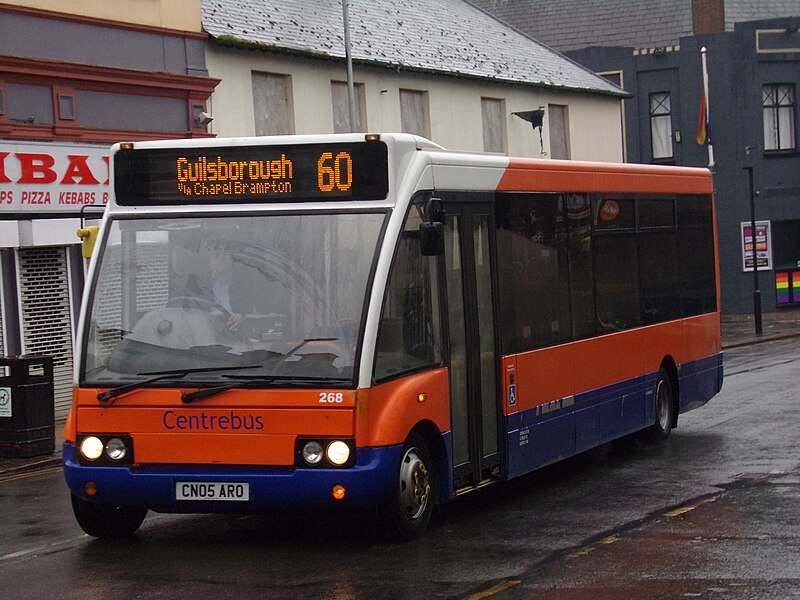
(703, 51)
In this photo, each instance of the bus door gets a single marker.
(473, 360)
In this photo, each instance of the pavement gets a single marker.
(737, 331)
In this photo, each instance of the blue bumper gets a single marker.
(271, 488)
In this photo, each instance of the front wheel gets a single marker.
(411, 505)
(665, 409)
(107, 521)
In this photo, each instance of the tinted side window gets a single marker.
(696, 255)
(409, 337)
(616, 273)
(581, 274)
(658, 271)
(533, 271)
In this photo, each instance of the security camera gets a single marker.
(203, 118)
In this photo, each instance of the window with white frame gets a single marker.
(661, 125)
(778, 101)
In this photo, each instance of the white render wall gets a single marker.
(455, 104)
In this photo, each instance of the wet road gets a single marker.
(713, 513)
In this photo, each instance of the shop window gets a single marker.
(779, 117)
(786, 244)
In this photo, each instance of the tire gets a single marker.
(665, 409)
(107, 521)
(412, 502)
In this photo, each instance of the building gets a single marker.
(443, 69)
(78, 77)
(70, 86)
(753, 74)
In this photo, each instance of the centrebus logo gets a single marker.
(230, 421)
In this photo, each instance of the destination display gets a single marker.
(251, 174)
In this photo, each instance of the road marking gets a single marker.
(38, 549)
(38, 473)
(592, 547)
(682, 510)
(495, 589)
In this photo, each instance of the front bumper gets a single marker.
(152, 486)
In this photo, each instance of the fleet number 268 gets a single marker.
(330, 397)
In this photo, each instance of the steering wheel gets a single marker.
(200, 303)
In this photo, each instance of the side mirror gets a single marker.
(89, 237)
(431, 238)
(431, 231)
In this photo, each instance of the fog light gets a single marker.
(338, 452)
(91, 448)
(115, 449)
(312, 452)
(338, 492)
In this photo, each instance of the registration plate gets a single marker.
(212, 490)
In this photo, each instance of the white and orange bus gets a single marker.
(371, 320)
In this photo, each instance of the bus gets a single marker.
(372, 321)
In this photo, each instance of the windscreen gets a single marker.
(280, 295)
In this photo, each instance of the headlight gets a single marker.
(116, 449)
(338, 452)
(312, 452)
(92, 448)
(105, 449)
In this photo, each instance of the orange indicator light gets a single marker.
(90, 488)
(338, 492)
(422, 397)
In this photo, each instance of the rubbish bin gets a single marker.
(27, 417)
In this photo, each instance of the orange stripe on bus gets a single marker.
(532, 175)
(542, 376)
(387, 413)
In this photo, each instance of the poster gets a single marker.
(763, 246)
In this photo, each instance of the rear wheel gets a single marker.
(411, 505)
(665, 409)
(107, 520)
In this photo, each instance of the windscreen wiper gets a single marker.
(160, 376)
(246, 382)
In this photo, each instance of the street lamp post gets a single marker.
(351, 93)
(756, 288)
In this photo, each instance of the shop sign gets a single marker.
(52, 178)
